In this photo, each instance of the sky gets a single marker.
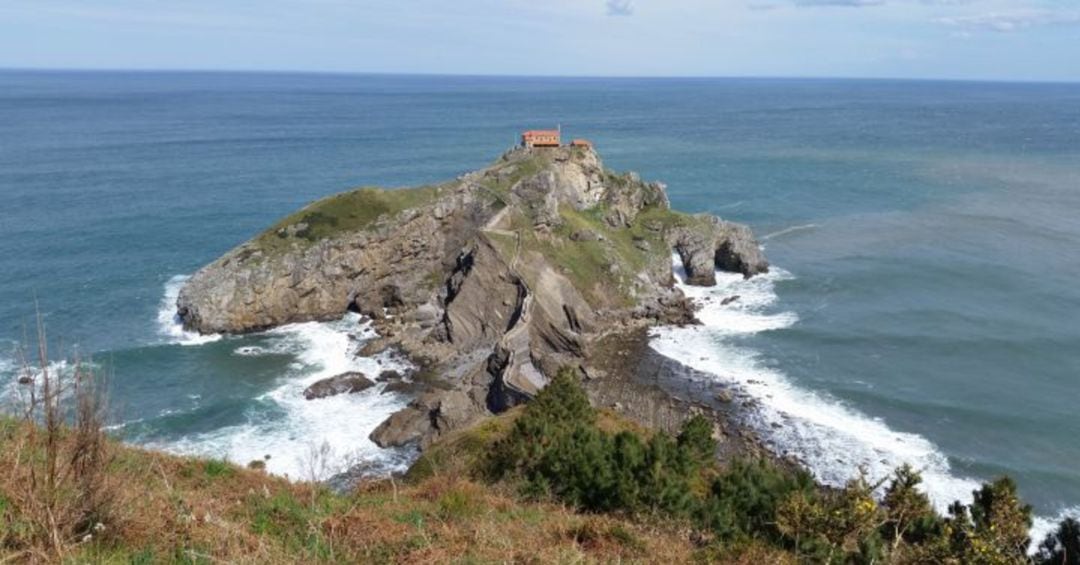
(1026, 40)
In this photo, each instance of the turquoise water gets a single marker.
(926, 305)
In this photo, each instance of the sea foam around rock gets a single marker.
(169, 325)
(304, 438)
(830, 438)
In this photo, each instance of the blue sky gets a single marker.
(959, 39)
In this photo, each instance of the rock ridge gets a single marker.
(490, 282)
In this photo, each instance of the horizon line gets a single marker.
(147, 70)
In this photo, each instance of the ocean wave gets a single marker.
(297, 432)
(169, 324)
(15, 394)
(831, 439)
(787, 231)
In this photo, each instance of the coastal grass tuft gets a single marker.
(341, 213)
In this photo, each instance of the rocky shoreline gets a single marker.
(490, 284)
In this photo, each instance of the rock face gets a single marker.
(710, 244)
(278, 279)
(345, 383)
(491, 282)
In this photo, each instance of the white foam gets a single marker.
(8, 368)
(831, 439)
(169, 324)
(251, 351)
(340, 423)
(1043, 525)
(16, 395)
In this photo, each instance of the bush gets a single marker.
(57, 490)
(1062, 547)
(910, 518)
(556, 450)
(744, 499)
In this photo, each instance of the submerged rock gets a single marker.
(389, 375)
(345, 383)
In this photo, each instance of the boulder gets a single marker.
(427, 417)
(345, 383)
(402, 387)
(389, 375)
(403, 427)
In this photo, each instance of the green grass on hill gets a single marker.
(342, 213)
(602, 265)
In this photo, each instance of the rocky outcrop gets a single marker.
(274, 280)
(633, 196)
(432, 414)
(707, 244)
(345, 383)
(482, 297)
(737, 250)
(491, 282)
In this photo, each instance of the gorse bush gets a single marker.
(556, 449)
(743, 500)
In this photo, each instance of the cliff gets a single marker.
(491, 282)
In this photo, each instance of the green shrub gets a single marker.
(456, 504)
(743, 500)
(218, 468)
(910, 517)
(1062, 547)
(297, 525)
(557, 450)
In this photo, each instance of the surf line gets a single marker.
(787, 231)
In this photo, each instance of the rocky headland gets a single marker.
(490, 283)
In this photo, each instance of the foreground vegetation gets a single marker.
(555, 481)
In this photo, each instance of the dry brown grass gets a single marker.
(69, 494)
(56, 487)
(177, 509)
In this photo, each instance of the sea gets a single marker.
(923, 305)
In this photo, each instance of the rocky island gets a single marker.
(490, 283)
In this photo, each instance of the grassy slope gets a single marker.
(185, 510)
(345, 212)
(588, 263)
(359, 209)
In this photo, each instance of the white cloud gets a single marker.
(852, 3)
(759, 5)
(1010, 21)
(620, 7)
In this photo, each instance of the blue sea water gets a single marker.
(926, 304)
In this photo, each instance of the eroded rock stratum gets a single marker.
(491, 282)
